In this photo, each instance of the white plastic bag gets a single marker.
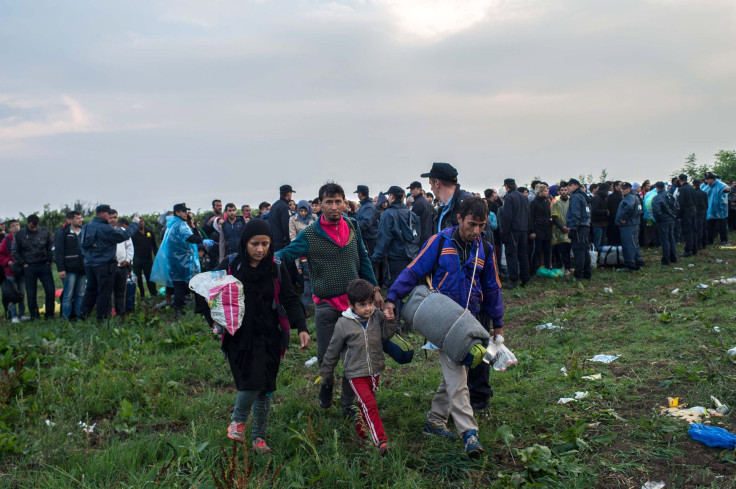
(498, 355)
(224, 294)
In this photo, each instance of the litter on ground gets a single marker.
(732, 351)
(87, 428)
(712, 436)
(603, 358)
(716, 329)
(547, 326)
(591, 377)
(725, 281)
(578, 395)
(679, 269)
(653, 485)
(565, 400)
(429, 346)
(701, 286)
(50, 423)
(608, 290)
(675, 291)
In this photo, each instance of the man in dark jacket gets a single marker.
(422, 208)
(230, 231)
(628, 218)
(144, 252)
(665, 210)
(613, 200)
(687, 200)
(443, 182)
(578, 220)
(32, 250)
(279, 216)
(701, 214)
(540, 228)
(210, 227)
(98, 242)
(367, 217)
(392, 235)
(514, 233)
(70, 264)
(599, 216)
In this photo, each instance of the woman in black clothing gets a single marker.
(540, 228)
(254, 351)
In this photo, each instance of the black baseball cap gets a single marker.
(286, 188)
(414, 185)
(103, 208)
(181, 207)
(394, 190)
(509, 181)
(442, 171)
(625, 185)
(362, 189)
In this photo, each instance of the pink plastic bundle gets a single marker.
(224, 294)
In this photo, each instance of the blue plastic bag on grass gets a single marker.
(712, 436)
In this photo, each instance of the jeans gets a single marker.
(42, 272)
(666, 231)
(581, 252)
(141, 267)
(517, 256)
(73, 296)
(99, 289)
(325, 318)
(600, 236)
(260, 403)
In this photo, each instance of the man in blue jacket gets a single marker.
(392, 235)
(628, 218)
(665, 210)
(367, 218)
(448, 259)
(717, 208)
(98, 241)
(578, 220)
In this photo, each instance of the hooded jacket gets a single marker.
(296, 223)
(361, 348)
(452, 277)
(392, 233)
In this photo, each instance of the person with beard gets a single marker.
(560, 239)
(254, 351)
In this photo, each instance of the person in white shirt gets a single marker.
(124, 258)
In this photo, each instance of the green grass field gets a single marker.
(160, 395)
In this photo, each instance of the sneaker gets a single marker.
(260, 447)
(235, 431)
(25, 317)
(382, 448)
(432, 430)
(472, 445)
(325, 396)
(15, 320)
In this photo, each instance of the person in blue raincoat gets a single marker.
(177, 260)
(717, 207)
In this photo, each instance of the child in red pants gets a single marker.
(358, 339)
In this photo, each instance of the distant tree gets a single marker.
(725, 165)
(692, 169)
(604, 176)
(585, 179)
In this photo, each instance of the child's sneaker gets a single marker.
(325, 395)
(472, 445)
(235, 431)
(382, 448)
(432, 430)
(259, 445)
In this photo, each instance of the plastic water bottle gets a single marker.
(492, 349)
(310, 362)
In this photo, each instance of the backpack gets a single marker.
(412, 235)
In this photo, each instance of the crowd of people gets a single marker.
(331, 257)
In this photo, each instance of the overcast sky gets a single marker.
(142, 104)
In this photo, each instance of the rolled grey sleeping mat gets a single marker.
(443, 322)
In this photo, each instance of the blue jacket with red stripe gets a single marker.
(452, 278)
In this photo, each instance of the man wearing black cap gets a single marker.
(665, 210)
(515, 234)
(367, 218)
(628, 218)
(578, 221)
(443, 182)
(422, 208)
(687, 200)
(98, 242)
(398, 230)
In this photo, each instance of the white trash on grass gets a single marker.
(547, 326)
(87, 428)
(50, 423)
(732, 351)
(578, 395)
(604, 358)
(653, 485)
(676, 291)
(592, 377)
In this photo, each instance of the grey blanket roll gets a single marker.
(443, 322)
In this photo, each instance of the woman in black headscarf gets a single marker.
(254, 351)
